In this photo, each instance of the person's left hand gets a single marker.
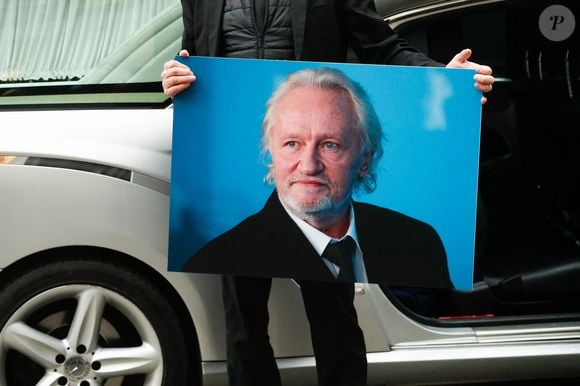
(483, 79)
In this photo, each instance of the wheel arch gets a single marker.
(128, 262)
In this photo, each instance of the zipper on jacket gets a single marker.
(260, 31)
(260, 43)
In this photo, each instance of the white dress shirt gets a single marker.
(320, 241)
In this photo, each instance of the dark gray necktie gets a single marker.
(340, 253)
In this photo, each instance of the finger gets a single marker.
(174, 85)
(177, 80)
(173, 91)
(484, 79)
(464, 55)
(175, 71)
(483, 100)
(484, 70)
(184, 53)
(483, 87)
(172, 64)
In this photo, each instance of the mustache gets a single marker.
(309, 179)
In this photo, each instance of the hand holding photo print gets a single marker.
(323, 171)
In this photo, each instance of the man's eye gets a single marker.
(330, 146)
(292, 144)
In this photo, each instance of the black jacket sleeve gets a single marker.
(374, 41)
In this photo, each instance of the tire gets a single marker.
(88, 322)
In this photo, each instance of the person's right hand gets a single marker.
(176, 76)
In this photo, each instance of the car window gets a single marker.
(76, 52)
(527, 258)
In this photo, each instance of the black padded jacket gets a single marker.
(245, 36)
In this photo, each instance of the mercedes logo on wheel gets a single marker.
(77, 368)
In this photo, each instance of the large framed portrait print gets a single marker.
(417, 222)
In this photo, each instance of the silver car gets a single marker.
(85, 156)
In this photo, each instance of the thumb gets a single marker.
(463, 56)
(184, 53)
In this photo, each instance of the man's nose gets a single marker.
(310, 162)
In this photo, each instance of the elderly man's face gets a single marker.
(316, 151)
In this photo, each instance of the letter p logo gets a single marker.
(557, 19)
(557, 23)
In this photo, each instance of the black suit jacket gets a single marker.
(322, 29)
(397, 250)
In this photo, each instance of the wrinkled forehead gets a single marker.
(301, 100)
(315, 101)
(318, 93)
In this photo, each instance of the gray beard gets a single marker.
(320, 214)
(323, 205)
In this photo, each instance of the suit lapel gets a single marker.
(366, 233)
(298, 10)
(294, 246)
(214, 16)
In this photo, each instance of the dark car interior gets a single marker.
(527, 259)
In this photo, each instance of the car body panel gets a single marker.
(136, 140)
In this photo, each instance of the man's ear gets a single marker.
(364, 167)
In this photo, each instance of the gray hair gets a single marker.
(365, 118)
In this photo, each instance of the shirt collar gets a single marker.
(318, 239)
